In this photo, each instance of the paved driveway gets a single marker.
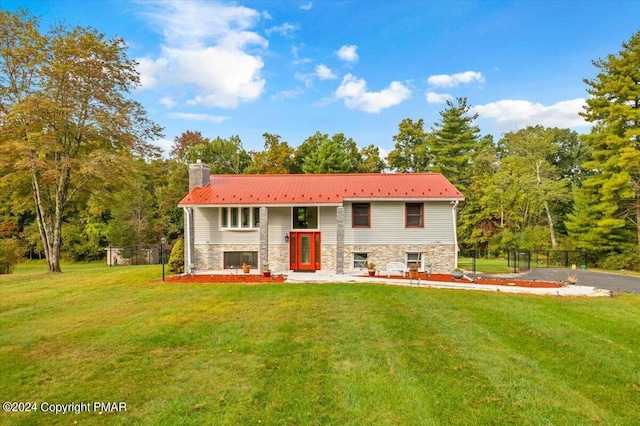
(605, 280)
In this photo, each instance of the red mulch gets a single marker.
(226, 278)
(279, 278)
(493, 281)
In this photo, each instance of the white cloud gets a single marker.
(516, 114)
(355, 95)
(348, 53)
(165, 145)
(307, 79)
(284, 29)
(200, 117)
(167, 101)
(437, 98)
(288, 94)
(151, 71)
(307, 6)
(453, 80)
(323, 72)
(208, 48)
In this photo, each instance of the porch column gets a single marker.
(264, 237)
(340, 240)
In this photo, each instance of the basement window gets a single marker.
(235, 259)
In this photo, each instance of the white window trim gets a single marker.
(353, 259)
(406, 259)
(252, 225)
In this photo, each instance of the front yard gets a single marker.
(311, 353)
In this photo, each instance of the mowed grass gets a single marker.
(343, 354)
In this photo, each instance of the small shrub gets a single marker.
(176, 258)
(618, 261)
(10, 255)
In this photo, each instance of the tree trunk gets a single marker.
(552, 230)
(49, 231)
(638, 218)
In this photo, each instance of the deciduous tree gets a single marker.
(276, 158)
(66, 118)
(411, 152)
(223, 156)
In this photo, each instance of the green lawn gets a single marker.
(343, 354)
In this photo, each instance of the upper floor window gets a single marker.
(361, 215)
(305, 217)
(239, 217)
(414, 215)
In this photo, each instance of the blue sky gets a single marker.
(293, 68)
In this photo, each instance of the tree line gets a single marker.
(77, 172)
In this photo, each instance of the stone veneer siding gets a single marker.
(441, 256)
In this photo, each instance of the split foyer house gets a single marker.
(331, 222)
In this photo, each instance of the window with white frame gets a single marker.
(239, 217)
(416, 258)
(360, 260)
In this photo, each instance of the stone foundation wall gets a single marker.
(211, 256)
(442, 257)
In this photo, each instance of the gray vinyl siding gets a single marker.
(388, 225)
(328, 225)
(207, 229)
(279, 224)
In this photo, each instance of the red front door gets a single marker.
(304, 249)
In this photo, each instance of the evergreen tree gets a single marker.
(454, 143)
(330, 157)
(176, 258)
(607, 210)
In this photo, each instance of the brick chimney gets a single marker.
(199, 175)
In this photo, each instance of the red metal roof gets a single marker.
(320, 189)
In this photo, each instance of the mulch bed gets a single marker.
(489, 281)
(226, 279)
(279, 278)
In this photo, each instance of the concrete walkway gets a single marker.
(326, 277)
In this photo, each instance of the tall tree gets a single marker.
(306, 149)
(330, 157)
(66, 119)
(614, 108)
(223, 156)
(454, 142)
(411, 152)
(276, 158)
(529, 153)
(371, 161)
(182, 144)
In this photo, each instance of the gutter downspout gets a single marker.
(188, 236)
(454, 206)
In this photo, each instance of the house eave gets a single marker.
(333, 204)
